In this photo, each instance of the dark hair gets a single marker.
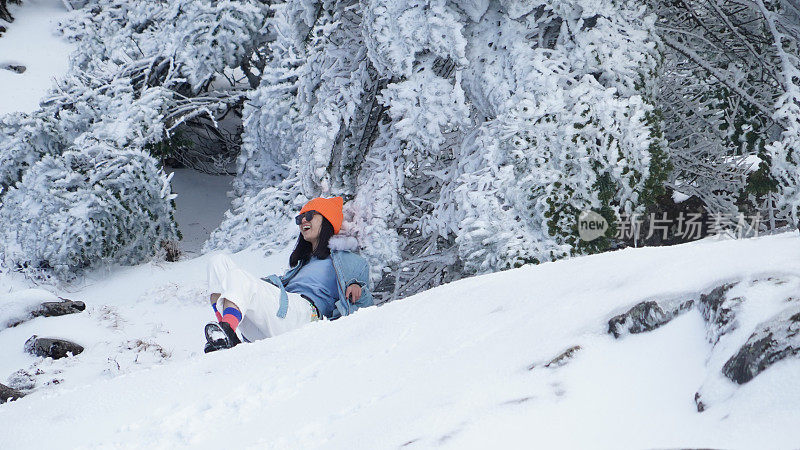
(303, 251)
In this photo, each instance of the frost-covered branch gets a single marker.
(721, 76)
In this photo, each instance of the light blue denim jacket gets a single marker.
(350, 268)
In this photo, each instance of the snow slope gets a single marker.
(448, 367)
(32, 42)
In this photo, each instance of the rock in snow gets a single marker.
(8, 394)
(772, 341)
(698, 401)
(52, 347)
(719, 311)
(21, 306)
(564, 357)
(645, 316)
(560, 359)
(61, 308)
(16, 68)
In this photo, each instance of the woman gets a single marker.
(325, 280)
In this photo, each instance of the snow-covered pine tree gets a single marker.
(273, 128)
(141, 72)
(188, 48)
(85, 207)
(305, 123)
(267, 184)
(419, 48)
(782, 19)
(334, 85)
(723, 74)
(25, 139)
(430, 115)
(572, 129)
(341, 95)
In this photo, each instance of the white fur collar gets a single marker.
(340, 242)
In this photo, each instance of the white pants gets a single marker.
(257, 300)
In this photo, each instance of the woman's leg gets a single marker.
(214, 298)
(261, 320)
(256, 300)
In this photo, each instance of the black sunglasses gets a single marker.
(308, 215)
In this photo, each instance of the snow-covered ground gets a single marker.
(199, 208)
(31, 41)
(448, 367)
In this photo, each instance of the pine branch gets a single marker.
(721, 76)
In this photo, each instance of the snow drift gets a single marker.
(462, 365)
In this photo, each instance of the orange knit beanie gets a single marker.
(330, 208)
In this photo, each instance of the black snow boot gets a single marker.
(219, 336)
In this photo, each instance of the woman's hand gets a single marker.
(353, 292)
